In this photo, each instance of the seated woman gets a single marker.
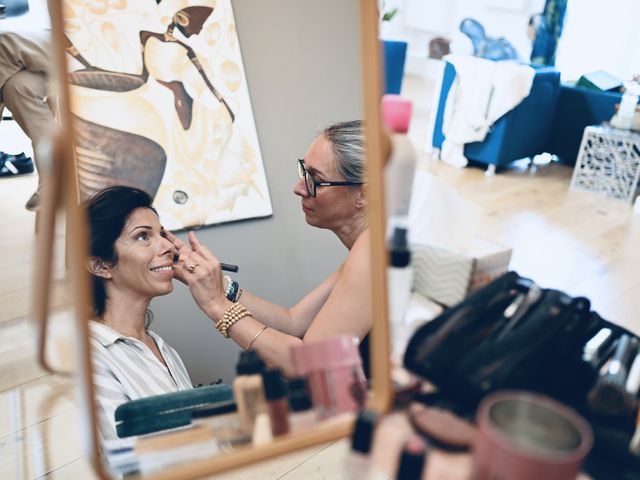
(333, 196)
(131, 262)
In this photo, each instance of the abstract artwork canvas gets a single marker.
(160, 101)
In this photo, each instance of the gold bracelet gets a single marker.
(230, 317)
(255, 338)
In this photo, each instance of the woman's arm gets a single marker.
(343, 309)
(296, 320)
(293, 321)
(344, 312)
(347, 310)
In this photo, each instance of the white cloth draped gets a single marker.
(482, 92)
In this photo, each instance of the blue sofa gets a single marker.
(522, 132)
(578, 108)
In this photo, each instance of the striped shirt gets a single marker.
(126, 369)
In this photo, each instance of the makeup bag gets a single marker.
(170, 410)
(513, 335)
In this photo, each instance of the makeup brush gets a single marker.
(609, 396)
(634, 445)
(633, 380)
(596, 346)
(227, 267)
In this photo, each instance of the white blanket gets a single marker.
(482, 92)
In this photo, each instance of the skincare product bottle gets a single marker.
(222, 419)
(248, 390)
(262, 430)
(302, 416)
(275, 391)
(358, 463)
(399, 285)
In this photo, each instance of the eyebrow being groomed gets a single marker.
(146, 227)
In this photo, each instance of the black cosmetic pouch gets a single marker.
(513, 335)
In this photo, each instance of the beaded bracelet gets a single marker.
(230, 317)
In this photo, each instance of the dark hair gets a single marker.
(107, 212)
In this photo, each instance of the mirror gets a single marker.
(303, 66)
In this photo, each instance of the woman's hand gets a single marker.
(200, 270)
(184, 252)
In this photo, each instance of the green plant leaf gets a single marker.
(389, 15)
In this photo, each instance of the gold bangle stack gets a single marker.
(231, 315)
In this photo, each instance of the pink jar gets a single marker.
(396, 113)
(527, 436)
(333, 369)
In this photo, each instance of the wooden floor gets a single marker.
(576, 241)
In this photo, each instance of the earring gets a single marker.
(181, 18)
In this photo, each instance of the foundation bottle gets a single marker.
(248, 389)
(275, 392)
(302, 417)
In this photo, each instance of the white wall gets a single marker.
(418, 21)
(600, 36)
(597, 35)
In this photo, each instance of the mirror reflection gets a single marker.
(268, 318)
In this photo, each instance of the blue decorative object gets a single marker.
(15, 8)
(487, 47)
(394, 54)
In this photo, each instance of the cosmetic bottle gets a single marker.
(223, 421)
(275, 392)
(248, 390)
(412, 460)
(302, 417)
(358, 463)
(261, 430)
(399, 285)
(333, 369)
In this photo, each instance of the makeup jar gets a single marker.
(529, 437)
(333, 369)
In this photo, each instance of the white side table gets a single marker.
(608, 162)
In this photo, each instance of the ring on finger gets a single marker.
(191, 268)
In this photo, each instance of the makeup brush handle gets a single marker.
(621, 356)
(634, 445)
(633, 380)
(594, 348)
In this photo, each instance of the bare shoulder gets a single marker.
(359, 257)
(356, 269)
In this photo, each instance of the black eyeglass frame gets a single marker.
(312, 184)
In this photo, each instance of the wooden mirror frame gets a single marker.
(62, 193)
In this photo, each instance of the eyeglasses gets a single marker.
(312, 184)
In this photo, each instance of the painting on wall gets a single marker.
(160, 102)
